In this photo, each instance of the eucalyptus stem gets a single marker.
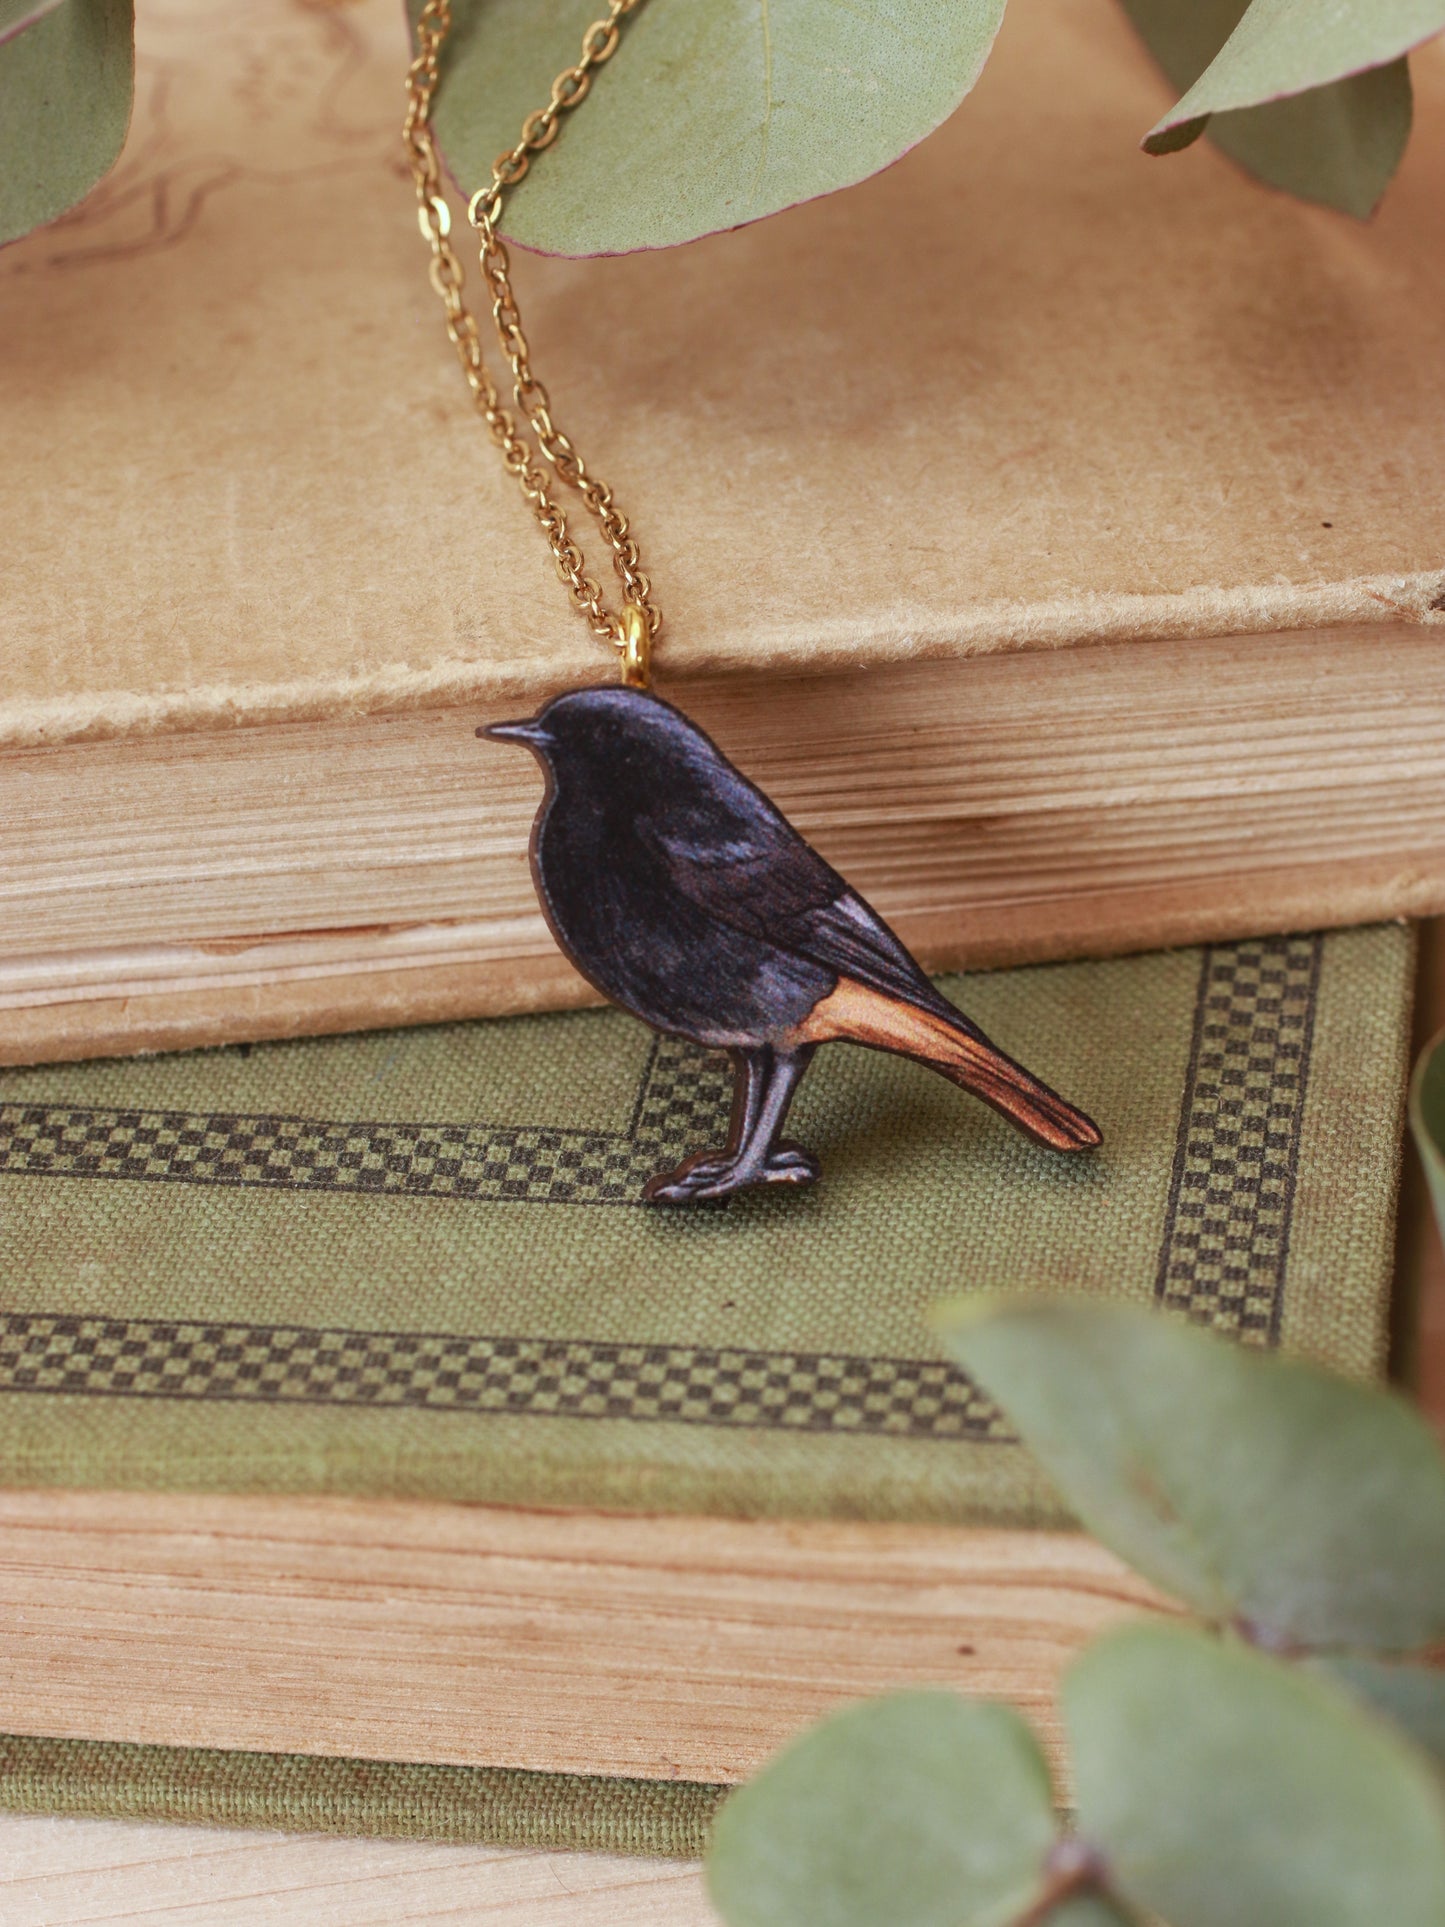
(1073, 1868)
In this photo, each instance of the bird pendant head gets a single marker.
(602, 730)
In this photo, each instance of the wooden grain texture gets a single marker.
(314, 877)
(568, 1641)
(61, 1873)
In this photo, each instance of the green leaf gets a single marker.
(65, 94)
(17, 15)
(709, 115)
(1282, 47)
(1339, 145)
(1224, 1788)
(921, 1810)
(1337, 140)
(1412, 1696)
(1427, 1119)
(1256, 1488)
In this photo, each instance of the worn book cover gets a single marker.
(416, 1263)
(261, 571)
(1003, 395)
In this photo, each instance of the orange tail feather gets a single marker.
(867, 1016)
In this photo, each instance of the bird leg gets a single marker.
(765, 1082)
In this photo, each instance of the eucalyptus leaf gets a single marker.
(65, 94)
(1257, 1489)
(1427, 1120)
(921, 1810)
(1339, 145)
(712, 113)
(1282, 47)
(17, 15)
(1338, 142)
(1224, 1788)
(1412, 1696)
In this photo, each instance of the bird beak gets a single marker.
(530, 732)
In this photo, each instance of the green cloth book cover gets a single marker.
(416, 1263)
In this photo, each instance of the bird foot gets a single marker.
(715, 1175)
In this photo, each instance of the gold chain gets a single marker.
(632, 628)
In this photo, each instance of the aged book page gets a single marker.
(54, 1873)
(205, 887)
(993, 398)
(654, 1649)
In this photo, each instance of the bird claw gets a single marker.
(712, 1176)
(791, 1164)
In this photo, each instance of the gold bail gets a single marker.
(636, 647)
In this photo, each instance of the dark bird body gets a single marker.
(684, 895)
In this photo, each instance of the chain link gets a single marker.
(519, 454)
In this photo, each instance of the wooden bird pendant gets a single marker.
(686, 897)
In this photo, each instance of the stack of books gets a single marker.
(1066, 563)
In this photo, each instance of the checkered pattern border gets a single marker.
(535, 1377)
(1226, 1238)
(683, 1102)
(1223, 1259)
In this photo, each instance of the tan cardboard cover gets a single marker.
(1026, 388)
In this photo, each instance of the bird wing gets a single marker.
(850, 937)
(749, 868)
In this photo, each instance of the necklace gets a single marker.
(671, 882)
